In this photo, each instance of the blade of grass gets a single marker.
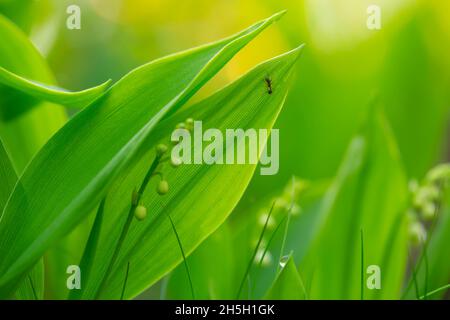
(255, 251)
(125, 281)
(184, 257)
(286, 229)
(414, 276)
(32, 288)
(272, 236)
(425, 288)
(429, 294)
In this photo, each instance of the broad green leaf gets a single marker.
(356, 203)
(288, 285)
(25, 123)
(77, 99)
(8, 177)
(32, 286)
(73, 171)
(200, 198)
(211, 267)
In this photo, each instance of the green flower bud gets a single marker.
(181, 125)
(439, 173)
(161, 149)
(428, 211)
(163, 187)
(140, 212)
(426, 194)
(189, 122)
(417, 233)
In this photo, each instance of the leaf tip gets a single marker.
(277, 16)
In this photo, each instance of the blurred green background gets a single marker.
(405, 65)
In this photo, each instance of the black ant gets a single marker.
(268, 82)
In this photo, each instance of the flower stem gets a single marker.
(127, 224)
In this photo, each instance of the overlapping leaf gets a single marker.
(72, 99)
(25, 122)
(72, 172)
(200, 196)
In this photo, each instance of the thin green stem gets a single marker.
(414, 273)
(32, 288)
(425, 289)
(184, 256)
(429, 294)
(266, 249)
(90, 249)
(125, 281)
(127, 224)
(247, 271)
(286, 229)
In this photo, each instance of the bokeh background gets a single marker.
(344, 64)
(405, 65)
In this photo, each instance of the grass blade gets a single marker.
(429, 294)
(255, 251)
(184, 256)
(125, 282)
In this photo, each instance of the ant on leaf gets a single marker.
(268, 82)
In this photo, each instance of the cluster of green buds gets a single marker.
(162, 155)
(285, 204)
(426, 199)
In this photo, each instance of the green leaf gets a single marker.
(354, 203)
(31, 287)
(81, 161)
(8, 177)
(25, 123)
(200, 198)
(77, 99)
(288, 285)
